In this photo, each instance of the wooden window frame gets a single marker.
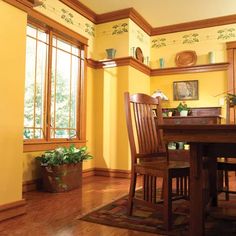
(80, 140)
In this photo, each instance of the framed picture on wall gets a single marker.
(185, 90)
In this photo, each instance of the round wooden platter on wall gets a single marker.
(186, 58)
(139, 54)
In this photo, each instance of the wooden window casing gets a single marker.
(49, 141)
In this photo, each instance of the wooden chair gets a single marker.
(150, 159)
(224, 165)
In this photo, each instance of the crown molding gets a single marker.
(200, 24)
(140, 21)
(24, 5)
(132, 14)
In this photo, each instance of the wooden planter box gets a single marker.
(62, 178)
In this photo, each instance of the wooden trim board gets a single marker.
(13, 209)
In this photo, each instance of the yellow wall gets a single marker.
(138, 38)
(113, 34)
(210, 87)
(200, 40)
(12, 73)
(112, 142)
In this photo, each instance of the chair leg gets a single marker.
(131, 193)
(162, 189)
(226, 185)
(167, 201)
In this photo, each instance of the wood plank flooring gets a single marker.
(56, 214)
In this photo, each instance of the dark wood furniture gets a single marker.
(148, 156)
(199, 115)
(209, 141)
(225, 165)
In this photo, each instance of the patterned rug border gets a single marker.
(221, 221)
(79, 217)
(159, 231)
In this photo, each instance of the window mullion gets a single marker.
(49, 79)
(71, 64)
(35, 83)
(55, 90)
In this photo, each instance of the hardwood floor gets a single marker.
(56, 214)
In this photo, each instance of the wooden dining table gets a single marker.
(209, 141)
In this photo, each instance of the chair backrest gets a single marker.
(143, 114)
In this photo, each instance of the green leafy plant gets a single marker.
(64, 155)
(182, 107)
(232, 99)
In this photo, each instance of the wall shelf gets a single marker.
(190, 69)
(130, 61)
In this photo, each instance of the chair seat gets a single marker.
(161, 168)
(163, 165)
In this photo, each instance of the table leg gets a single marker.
(213, 180)
(196, 193)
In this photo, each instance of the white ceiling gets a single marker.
(167, 12)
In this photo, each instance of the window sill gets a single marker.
(35, 146)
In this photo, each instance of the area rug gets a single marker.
(147, 220)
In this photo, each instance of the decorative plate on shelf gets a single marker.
(186, 58)
(139, 54)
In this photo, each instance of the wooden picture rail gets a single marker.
(130, 61)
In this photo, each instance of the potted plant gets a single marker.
(232, 99)
(183, 109)
(62, 168)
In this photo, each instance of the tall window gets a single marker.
(53, 88)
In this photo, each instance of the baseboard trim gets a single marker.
(31, 185)
(13, 209)
(112, 173)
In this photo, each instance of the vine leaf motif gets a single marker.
(89, 29)
(140, 36)
(190, 38)
(226, 33)
(158, 43)
(120, 28)
(67, 16)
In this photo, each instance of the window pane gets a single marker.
(75, 51)
(64, 90)
(36, 64)
(29, 82)
(31, 31)
(64, 46)
(82, 53)
(42, 36)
